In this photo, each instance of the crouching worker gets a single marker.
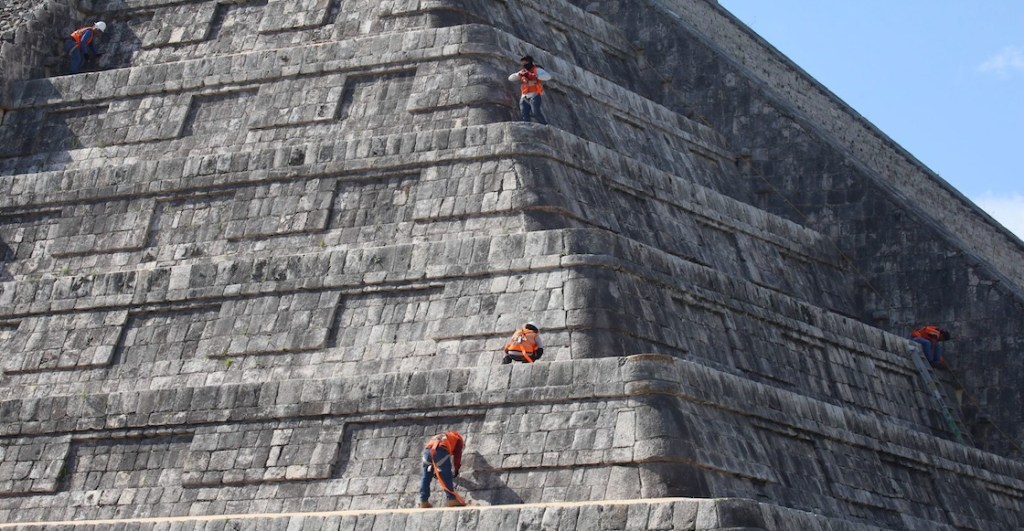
(929, 338)
(442, 459)
(81, 45)
(525, 345)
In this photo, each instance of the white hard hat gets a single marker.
(531, 324)
(102, 26)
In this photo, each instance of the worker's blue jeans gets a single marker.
(77, 57)
(444, 466)
(934, 356)
(528, 106)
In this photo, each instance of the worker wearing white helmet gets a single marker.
(525, 345)
(81, 44)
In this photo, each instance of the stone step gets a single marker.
(166, 108)
(650, 515)
(455, 298)
(578, 430)
(128, 212)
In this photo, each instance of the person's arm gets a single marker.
(543, 75)
(89, 49)
(515, 77)
(457, 457)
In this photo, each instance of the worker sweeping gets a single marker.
(442, 459)
(81, 45)
(525, 345)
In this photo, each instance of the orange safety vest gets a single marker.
(80, 32)
(449, 441)
(532, 86)
(525, 341)
(453, 443)
(931, 333)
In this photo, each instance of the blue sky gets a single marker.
(943, 78)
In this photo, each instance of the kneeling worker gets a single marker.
(524, 346)
(929, 337)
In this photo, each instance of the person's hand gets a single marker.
(524, 73)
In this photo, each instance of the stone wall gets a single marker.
(919, 251)
(574, 430)
(263, 252)
(32, 38)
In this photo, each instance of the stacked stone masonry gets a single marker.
(653, 515)
(807, 156)
(263, 249)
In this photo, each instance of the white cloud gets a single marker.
(1008, 210)
(1004, 63)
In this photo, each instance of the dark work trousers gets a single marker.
(444, 467)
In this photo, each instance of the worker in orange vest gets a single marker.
(525, 345)
(929, 337)
(531, 87)
(81, 44)
(442, 459)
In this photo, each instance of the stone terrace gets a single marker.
(266, 248)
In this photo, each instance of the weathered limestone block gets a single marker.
(245, 454)
(222, 117)
(32, 466)
(63, 341)
(298, 101)
(376, 100)
(270, 324)
(101, 6)
(101, 227)
(184, 23)
(653, 515)
(17, 131)
(280, 208)
(443, 85)
(245, 213)
(75, 128)
(149, 119)
(287, 15)
(101, 470)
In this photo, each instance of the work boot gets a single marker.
(425, 505)
(456, 503)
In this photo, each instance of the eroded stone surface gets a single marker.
(264, 249)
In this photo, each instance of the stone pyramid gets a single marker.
(262, 249)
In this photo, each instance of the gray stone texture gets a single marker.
(805, 155)
(655, 515)
(263, 250)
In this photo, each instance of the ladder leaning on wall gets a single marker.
(953, 421)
